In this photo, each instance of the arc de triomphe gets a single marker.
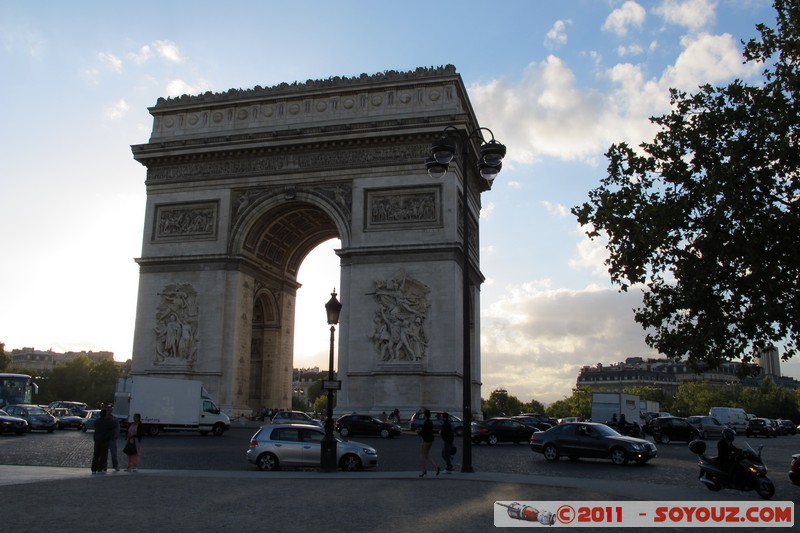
(242, 185)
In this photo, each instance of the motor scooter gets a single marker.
(750, 472)
(794, 469)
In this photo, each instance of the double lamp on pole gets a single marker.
(328, 448)
(490, 162)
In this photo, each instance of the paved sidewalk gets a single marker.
(71, 499)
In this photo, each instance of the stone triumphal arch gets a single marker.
(242, 185)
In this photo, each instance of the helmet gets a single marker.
(728, 434)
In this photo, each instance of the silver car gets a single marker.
(294, 417)
(707, 426)
(277, 445)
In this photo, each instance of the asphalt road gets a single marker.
(674, 466)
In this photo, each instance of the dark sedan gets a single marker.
(366, 425)
(12, 424)
(669, 428)
(65, 419)
(501, 429)
(587, 439)
(36, 417)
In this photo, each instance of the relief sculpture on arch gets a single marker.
(400, 323)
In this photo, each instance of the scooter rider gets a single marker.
(727, 454)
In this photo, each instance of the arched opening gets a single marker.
(291, 247)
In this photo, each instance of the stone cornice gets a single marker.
(284, 89)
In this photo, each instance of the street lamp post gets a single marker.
(489, 165)
(328, 448)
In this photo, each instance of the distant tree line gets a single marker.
(79, 379)
(768, 400)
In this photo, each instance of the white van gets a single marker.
(734, 417)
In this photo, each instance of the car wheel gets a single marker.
(83, 428)
(492, 440)
(384, 433)
(153, 430)
(550, 452)
(350, 463)
(619, 456)
(218, 430)
(663, 439)
(267, 461)
(344, 432)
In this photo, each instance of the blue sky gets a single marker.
(556, 81)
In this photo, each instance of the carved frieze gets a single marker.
(283, 163)
(185, 221)
(400, 322)
(177, 336)
(399, 208)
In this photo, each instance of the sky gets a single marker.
(557, 82)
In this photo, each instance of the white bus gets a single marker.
(16, 388)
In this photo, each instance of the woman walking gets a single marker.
(426, 432)
(134, 436)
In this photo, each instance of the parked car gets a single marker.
(759, 426)
(534, 421)
(591, 439)
(794, 469)
(91, 417)
(294, 417)
(669, 428)
(77, 408)
(348, 425)
(542, 418)
(789, 427)
(777, 427)
(36, 417)
(12, 424)
(501, 429)
(706, 426)
(65, 419)
(436, 417)
(277, 445)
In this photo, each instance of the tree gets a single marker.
(705, 216)
(534, 406)
(578, 404)
(5, 360)
(501, 404)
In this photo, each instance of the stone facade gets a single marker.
(242, 185)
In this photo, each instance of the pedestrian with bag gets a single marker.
(133, 443)
(447, 439)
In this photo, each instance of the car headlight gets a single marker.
(370, 451)
(636, 446)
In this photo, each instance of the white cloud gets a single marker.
(547, 114)
(630, 50)
(180, 87)
(536, 339)
(692, 14)
(118, 110)
(169, 51)
(559, 210)
(590, 254)
(557, 35)
(111, 60)
(487, 210)
(514, 184)
(630, 14)
(707, 59)
(142, 56)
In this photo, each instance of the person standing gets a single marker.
(103, 429)
(134, 436)
(112, 442)
(447, 438)
(426, 432)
